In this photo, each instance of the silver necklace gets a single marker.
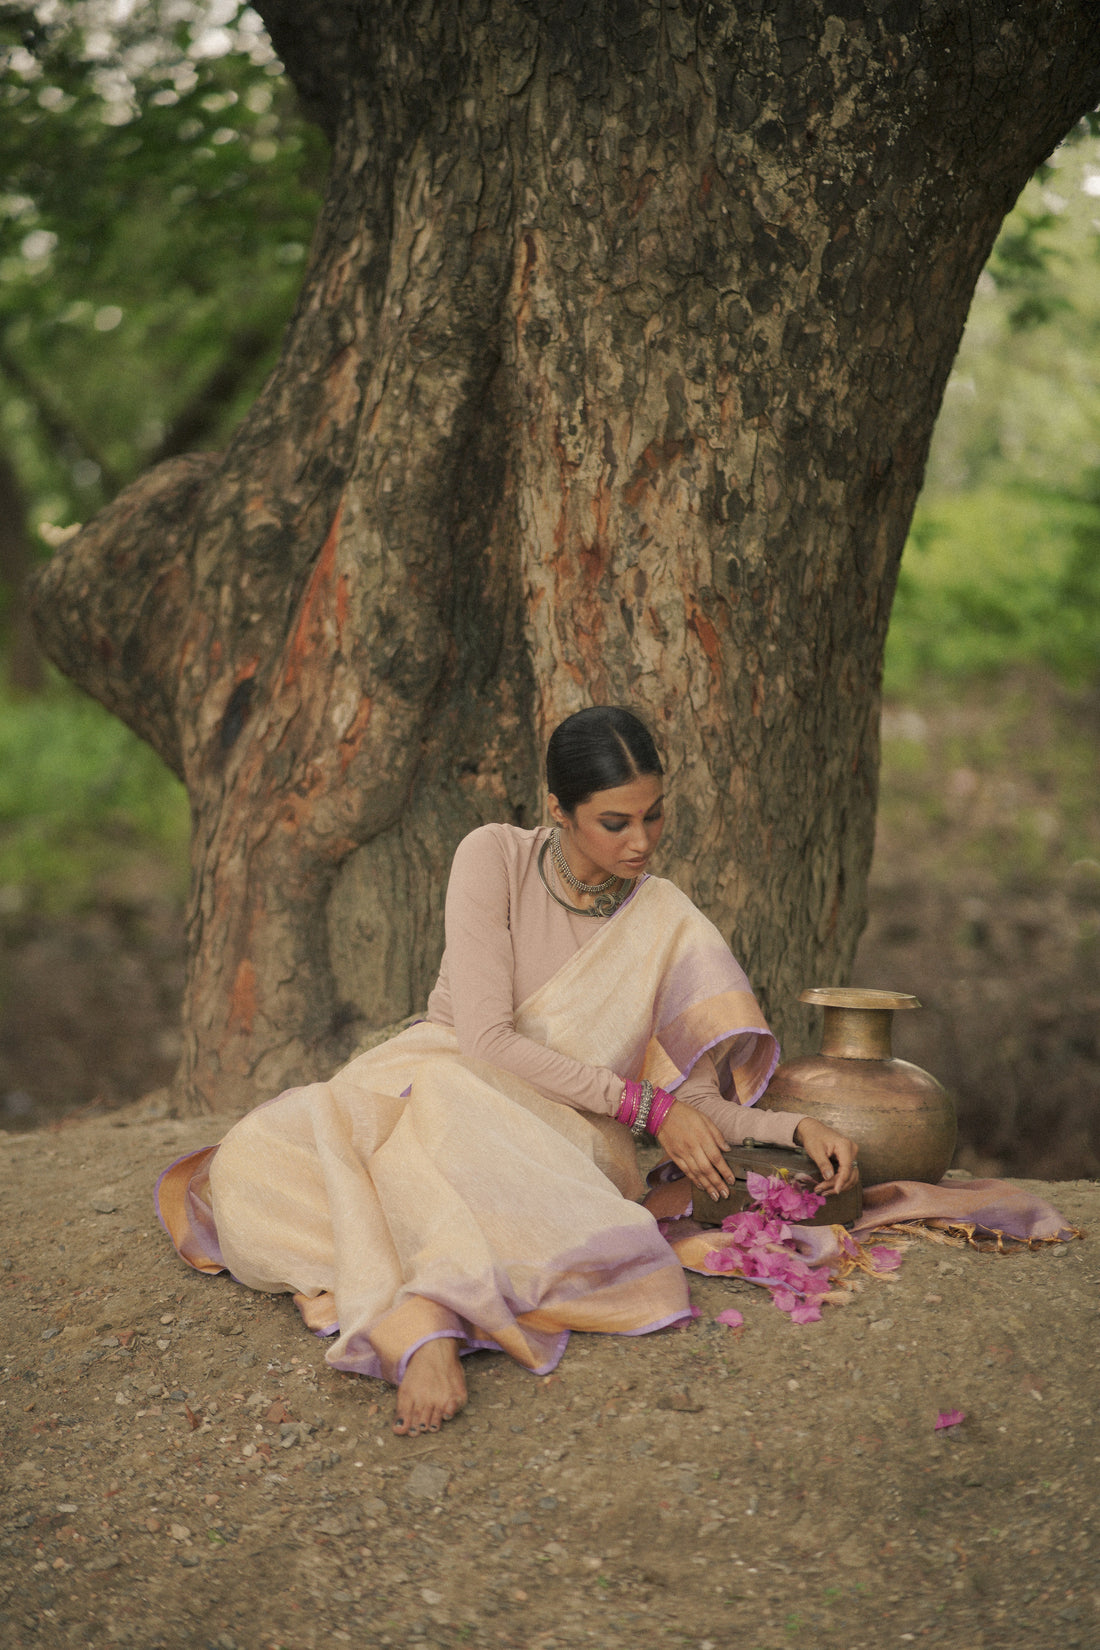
(604, 905)
(562, 866)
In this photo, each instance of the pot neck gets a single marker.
(857, 1033)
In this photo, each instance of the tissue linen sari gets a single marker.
(423, 1193)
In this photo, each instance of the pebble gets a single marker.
(109, 1561)
(427, 1482)
(179, 1532)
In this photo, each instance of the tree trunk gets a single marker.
(613, 379)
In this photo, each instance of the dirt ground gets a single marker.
(181, 1469)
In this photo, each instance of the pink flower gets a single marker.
(745, 1226)
(949, 1418)
(885, 1260)
(779, 1197)
(730, 1317)
(806, 1312)
(728, 1259)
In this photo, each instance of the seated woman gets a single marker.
(469, 1183)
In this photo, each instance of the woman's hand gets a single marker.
(834, 1154)
(697, 1146)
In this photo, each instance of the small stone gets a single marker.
(547, 1503)
(179, 1532)
(104, 1204)
(48, 1334)
(430, 1596)
(427, 1482)
(67, 1506)
(153, 1525)
(680, 1402)
(189, 1560)
(109, 1561)
(162, 1346)
(168, 1317)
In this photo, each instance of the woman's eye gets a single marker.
(614, 829)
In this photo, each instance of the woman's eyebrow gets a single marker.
(611, 814)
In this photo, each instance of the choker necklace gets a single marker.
(604, 905)
(561, 865)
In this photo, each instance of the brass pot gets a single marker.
(902, 1119)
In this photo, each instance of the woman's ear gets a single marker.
(557, 812)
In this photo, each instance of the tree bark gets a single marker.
(613, 378)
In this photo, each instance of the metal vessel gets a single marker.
(902, 1119)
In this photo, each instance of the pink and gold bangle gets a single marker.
(663, 1103)
(643, 1108)
(628, 1105)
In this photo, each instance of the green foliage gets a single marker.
(1002, 567)
(159, 196)
(995, 577)
(81, 800)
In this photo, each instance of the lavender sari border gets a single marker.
(725, 1036)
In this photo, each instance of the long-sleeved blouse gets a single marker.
(505, 938)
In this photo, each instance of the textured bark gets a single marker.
(613, 379)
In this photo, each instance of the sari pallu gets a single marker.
(420, 1193)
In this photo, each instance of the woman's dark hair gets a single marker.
(595, 750)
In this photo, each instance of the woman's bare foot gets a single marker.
(433, 1389)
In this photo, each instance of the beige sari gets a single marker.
(420, 1193)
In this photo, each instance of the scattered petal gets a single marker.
(949, 1418)
(730, 1317)
(885, 1260)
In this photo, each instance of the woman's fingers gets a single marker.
(833, 1153)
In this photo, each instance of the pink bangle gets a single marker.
(660, 1106)
(628, 1105)
(663, 1103)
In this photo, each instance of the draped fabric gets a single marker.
(420, 1193)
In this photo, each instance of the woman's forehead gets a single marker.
(636, 796)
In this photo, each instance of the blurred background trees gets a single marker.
(159, 192)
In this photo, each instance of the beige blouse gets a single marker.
(505, 937)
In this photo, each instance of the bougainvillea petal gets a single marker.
(885, 1260)
(730, 1317)
(949, 1418)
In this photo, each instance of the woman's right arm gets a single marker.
(480, 974)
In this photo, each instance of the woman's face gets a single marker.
(615, 831)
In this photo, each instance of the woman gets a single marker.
(468, 1184)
